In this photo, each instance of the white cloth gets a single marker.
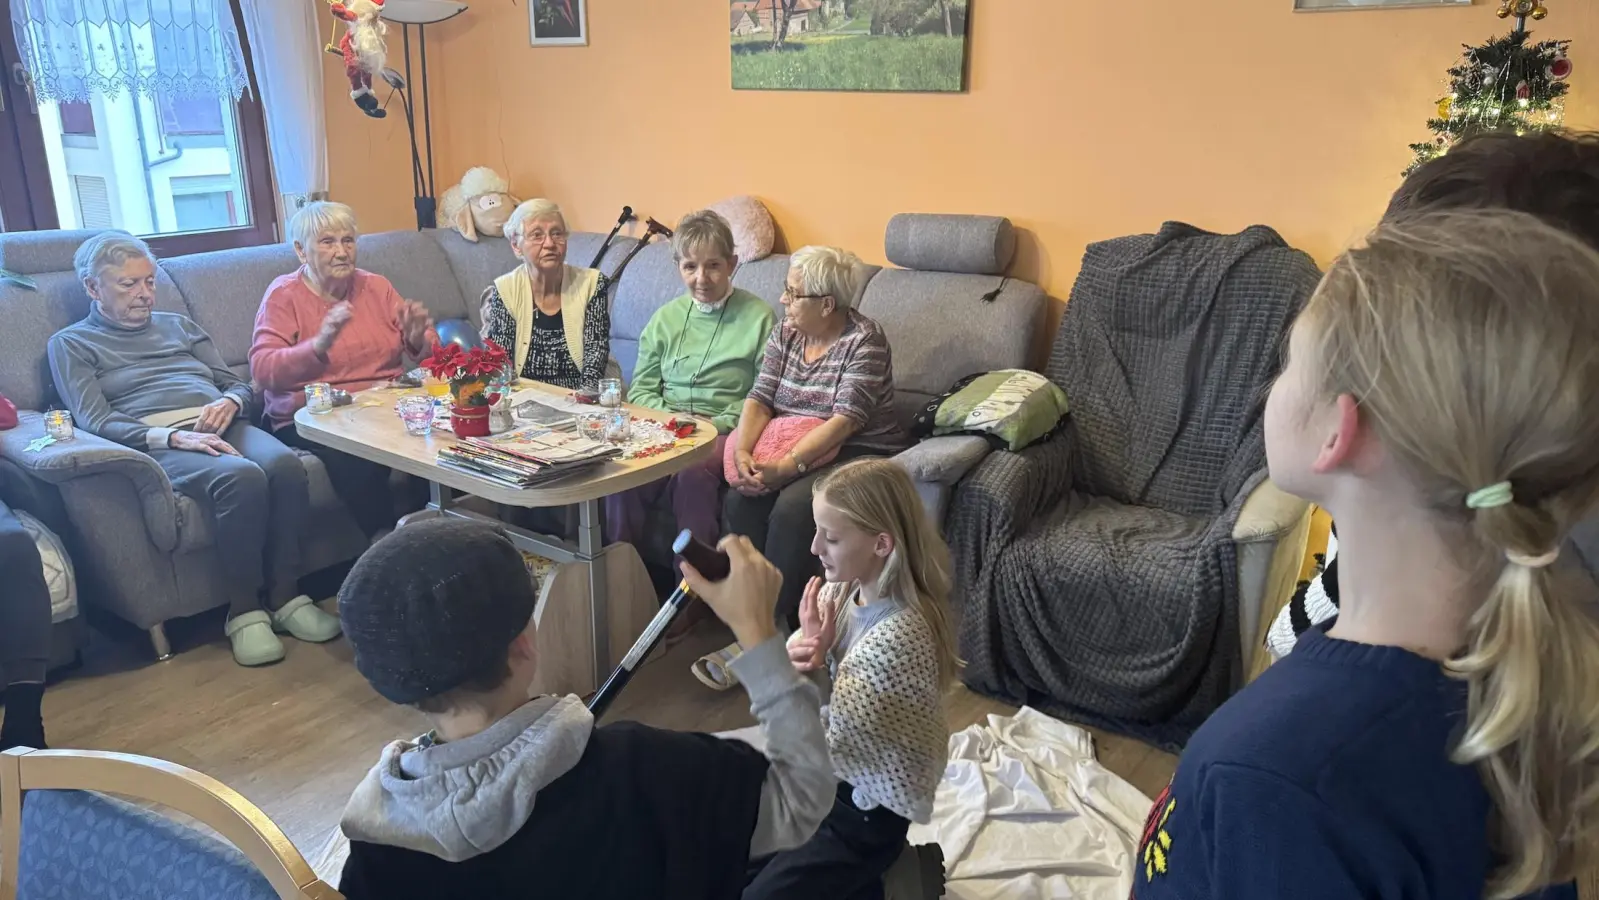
(1318, 607)
(1026, 812)
(287, 50)
(75, 49)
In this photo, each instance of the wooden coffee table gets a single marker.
(370, 428)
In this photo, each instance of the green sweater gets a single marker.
(702, 363)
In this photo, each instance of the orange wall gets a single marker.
(1078, 124)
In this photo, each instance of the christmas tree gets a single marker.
(1509, 83)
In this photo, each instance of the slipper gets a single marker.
(713, 669)
(253, 642)
(301, 618)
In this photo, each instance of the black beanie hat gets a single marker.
(434, 605)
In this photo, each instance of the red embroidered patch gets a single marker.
(1155, 846)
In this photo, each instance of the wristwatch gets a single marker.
(799, 464)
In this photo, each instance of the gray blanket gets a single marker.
(1097, 571)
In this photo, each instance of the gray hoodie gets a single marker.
(464, 798)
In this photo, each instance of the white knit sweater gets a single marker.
(885, 722)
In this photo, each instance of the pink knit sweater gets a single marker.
(367, 351)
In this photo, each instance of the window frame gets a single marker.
(27, 201)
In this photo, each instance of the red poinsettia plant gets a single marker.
(469, 372)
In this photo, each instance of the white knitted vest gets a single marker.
(885, 722)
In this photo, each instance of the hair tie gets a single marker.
(1491, 496)
(1534, 562)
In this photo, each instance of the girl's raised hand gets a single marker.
(818, 630)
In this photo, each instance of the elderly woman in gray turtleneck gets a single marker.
(155, 382)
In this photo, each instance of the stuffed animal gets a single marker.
(362, 48)
(480, 204)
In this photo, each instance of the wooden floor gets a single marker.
(296, 737)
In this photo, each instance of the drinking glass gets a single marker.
(58, 424)
(619, 427)
(418, 415)
(610, 392)
(592, 425)
(319, 398)
(435, 387)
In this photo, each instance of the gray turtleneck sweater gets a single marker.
(135, 386)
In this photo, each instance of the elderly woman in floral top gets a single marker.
(554, 319)
(824, 361)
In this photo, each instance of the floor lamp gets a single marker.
(420, 13)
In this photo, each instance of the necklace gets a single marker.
(683, 332)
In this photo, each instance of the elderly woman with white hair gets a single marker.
(155, 382)
(554, 319)
(830, 365)
(331, 322)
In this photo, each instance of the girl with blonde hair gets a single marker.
(1440, 737)
(877, 627)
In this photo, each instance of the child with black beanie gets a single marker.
(510, 797)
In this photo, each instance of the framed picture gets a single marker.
(1328, 5)
(559, 23)
(848, 45)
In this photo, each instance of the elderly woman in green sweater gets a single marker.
(698, 355)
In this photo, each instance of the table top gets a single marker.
(371, 429)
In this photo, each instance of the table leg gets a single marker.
(438, 500)
(590, 547)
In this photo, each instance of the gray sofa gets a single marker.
(145, 554)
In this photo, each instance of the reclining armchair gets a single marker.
(1115, 574)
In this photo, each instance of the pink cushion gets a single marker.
(781, 435)
(754, 232)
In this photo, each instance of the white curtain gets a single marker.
(287, 50)
(75, 49)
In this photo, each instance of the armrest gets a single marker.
(1006, 491)
(1268, 514)
(944, 460)
(88, 454)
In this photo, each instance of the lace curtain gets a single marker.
(75, 49)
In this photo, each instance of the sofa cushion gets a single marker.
(224, 290)
(975, 245)
(475, 264)
(940, 328)
(765, 279)
(33, 252)
(650, 282)
(417, 267)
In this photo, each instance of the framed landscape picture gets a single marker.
(849, 45)
(559, 23)
(1325, 5)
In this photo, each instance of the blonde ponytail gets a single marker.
(879, 498)
(1471, 340)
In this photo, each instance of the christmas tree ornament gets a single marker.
(1445, 106)
(1524, 92)
(1560, 69)
(1503, 11)
(363, 49)
(1539, 11)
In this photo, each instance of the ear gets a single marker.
(732, 263)
(299, 251)
(883, 547)
(462, 222)
(92, 287)
(1345, 443)
(525, 647)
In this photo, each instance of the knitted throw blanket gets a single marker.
(885, 719)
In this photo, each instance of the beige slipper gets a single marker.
(714, 669)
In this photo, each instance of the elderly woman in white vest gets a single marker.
(554, 319)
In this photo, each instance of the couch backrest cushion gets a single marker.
(418, 268)
(582, 245)
(83, 844)
(764, 278)
(224, 290)
(940, 329)
(33, 252)
(475, 265)
(649, 283)
(974, 245)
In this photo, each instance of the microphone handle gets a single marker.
(641, 649)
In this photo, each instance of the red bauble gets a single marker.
(1559, 70)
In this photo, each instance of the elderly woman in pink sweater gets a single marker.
(332, 322)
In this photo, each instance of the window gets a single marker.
(191, 116)
(77, 119)
(188, 174)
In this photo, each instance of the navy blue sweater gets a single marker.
(1328, 777)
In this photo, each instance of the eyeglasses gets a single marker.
(538, 237)
(789, 293)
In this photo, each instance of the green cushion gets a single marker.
(1015, 406)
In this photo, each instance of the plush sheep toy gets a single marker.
(363, 49)
(480, 204)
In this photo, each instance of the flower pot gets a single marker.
(470, 421)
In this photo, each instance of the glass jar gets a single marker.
(319, 398)
(610, 392)
(58, 424)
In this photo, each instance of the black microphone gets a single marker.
(711, 563)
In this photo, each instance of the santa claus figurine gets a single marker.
(363, 49)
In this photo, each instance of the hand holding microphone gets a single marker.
(746, 597)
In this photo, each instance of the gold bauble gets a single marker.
(1539, 11)
(1444, 106)
(1503, 12)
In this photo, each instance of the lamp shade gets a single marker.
(421, 12)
